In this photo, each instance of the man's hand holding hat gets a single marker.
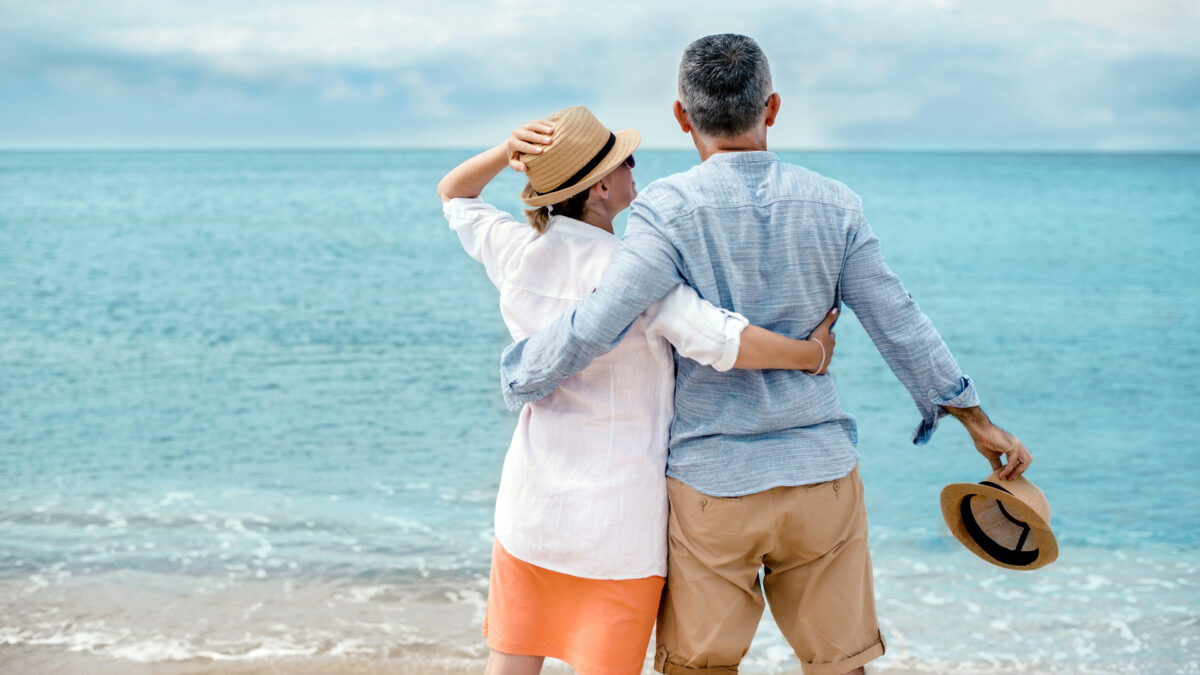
(991, 441)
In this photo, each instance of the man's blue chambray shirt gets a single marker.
(780, 245)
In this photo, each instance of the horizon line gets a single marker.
(404, 148)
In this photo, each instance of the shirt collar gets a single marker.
(748, 157)
(565, 224)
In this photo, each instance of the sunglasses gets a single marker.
(629, 161)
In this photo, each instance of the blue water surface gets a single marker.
(281, 365)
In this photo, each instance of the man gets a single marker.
(762, 469)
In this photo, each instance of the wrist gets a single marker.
(973, 418)
(502, 151)
(816, 356)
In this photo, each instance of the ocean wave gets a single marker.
(939, 614)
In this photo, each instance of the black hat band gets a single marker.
(1005, 555)
(587, 168)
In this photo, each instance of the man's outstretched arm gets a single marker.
(642, 272)
(917, 355)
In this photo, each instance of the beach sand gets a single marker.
(144, 624)
(137, 623)
(46, 660)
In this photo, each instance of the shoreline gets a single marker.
(936, 621)
(47, 660)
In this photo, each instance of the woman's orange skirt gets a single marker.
(598, 626)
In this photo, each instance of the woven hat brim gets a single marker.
(952, 496)
(627, 141)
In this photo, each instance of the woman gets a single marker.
(580, 548)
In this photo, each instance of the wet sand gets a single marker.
(55, 660)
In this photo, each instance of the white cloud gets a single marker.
(842, 66)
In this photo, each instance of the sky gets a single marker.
(1092, 75)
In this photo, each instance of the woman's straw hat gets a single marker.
(1005, 522)
(580, 153)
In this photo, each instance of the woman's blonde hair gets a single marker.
(571, 207)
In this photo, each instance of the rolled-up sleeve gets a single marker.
(902, 333)
(645, 269)
(488, 234)
(698, 329)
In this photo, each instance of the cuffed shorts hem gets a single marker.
(849, 663)
(662, 665)
(813, 541)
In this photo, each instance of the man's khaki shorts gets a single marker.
(812, 542)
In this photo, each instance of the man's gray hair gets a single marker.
(724, 84)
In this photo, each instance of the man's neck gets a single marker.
(748, 142)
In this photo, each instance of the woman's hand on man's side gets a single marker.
(823, 334)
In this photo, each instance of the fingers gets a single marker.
(1017, 460)
(827, 340)
(829, 317)
(530, 138)
(538, 126)
(996, 464)
(532, 134)
(986, 447)
(518, 145)
(1007, 473)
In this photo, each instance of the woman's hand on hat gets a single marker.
(529, 138)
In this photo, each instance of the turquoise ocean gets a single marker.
(250, 408)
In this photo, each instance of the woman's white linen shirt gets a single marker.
(583, 489)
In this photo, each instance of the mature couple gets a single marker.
(720, 262)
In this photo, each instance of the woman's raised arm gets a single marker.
(469, 178)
